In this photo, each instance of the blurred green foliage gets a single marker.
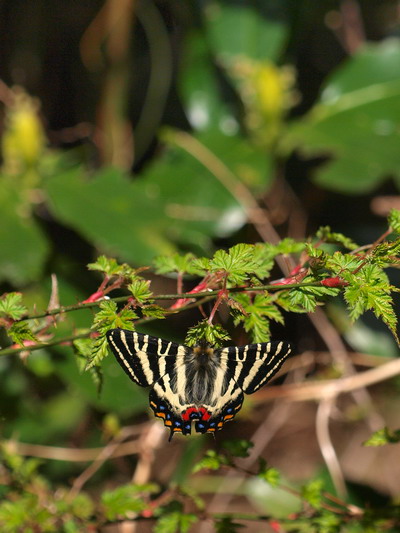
(257, 99)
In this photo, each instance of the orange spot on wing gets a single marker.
(167, 422)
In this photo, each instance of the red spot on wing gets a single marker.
(201, 412)
(205, 415)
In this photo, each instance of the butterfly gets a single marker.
(201, 383)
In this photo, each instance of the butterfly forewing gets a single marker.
(253, 365)
(201, 383)
(144, 358)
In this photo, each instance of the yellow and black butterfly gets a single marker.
(196, 383)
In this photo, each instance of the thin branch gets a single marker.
(106, 453)
(185, 295)
(301, 392)
(76, 455)
(326, 446)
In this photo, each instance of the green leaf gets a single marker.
(108, 265)
(154, 311)
(257, 314)
(325, 234)
(140, 290)
(309, 297)
(108, 318)
(183, 264)
(328, 522)
(24, 248)
(175, 522)
(227, 525)
(238, 447)
(286, 246)
(11, 305)
(237, 263)
(369, 289)
(124, 500)
(343, 264)
(364, 92)
(394, 220)
(385, 253)
(213, 334)
(269, 474)
(20, 332)
(211, 461)
(383, 436)
(242, 31)
(312, 493)
(163, 207)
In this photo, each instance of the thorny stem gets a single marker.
(186, 295)
(69, 340)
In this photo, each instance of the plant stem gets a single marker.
(186, 295)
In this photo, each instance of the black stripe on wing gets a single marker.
(144, 358)
(253, 365)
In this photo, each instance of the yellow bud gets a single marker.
(23, 139)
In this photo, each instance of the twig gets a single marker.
(148, 444)
(301, 392)
(185, 295)
(326, 446)
(77, 455)
(106, 453)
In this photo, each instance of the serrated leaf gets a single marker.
(258, 314)
(183, 264)
(312, 493)
(383, 436)
(385, 253)
(202, 264)
(213, 334)
(325, 234)
(369, 289)
(343, 264)
(20, 332)
(309, 297)
(394, 220)
(123, 501)
(237, 263)
(238, 447)
(211, 461)
(268, 474)
(175, 522)
(11, 305)
(111, 268)
(108, 318)
(140, 290)
(154, 311)
(108, 265)
(284, 247)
